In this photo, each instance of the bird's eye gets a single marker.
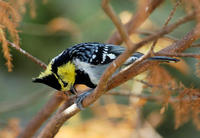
(65, 84)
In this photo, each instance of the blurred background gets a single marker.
(48, 28)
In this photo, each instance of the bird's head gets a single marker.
(61, 78)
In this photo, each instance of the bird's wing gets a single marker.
(97, 53)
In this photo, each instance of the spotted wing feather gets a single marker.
(96, 53)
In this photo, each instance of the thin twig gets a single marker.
(172, 13)
(165, 24)
(120, 27)
(137, 19)
(25, 53)
(145, 32)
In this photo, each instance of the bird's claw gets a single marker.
(80, 98)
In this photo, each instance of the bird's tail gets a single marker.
(138, 55)
(164, 58)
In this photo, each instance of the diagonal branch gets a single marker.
(25, 53)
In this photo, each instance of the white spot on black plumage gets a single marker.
(93, 56)
(104, 58)
(111, 56)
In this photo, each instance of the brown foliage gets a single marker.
(20, 6)
(6, 50)
(9, 19)
(163, 81)
(158, 76)
(187, 107)
(10, 16)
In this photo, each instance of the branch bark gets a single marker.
(28, 55)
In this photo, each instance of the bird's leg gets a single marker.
(81, 97)
(66, 93)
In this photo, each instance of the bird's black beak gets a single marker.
(49, 80)
(73, 90)
(37, 80)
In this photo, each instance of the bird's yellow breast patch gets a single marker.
(67, 74)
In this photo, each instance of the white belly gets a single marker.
(94, 71)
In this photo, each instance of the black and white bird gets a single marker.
(85, 63)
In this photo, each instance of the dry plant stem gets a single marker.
(147, 32)
(141, 15)
(172, 13)
(120, 27)
(57, 121)
(165, 24)
(144, 32)
(43, 115)
(25, 53)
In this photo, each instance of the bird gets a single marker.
(85, 63)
